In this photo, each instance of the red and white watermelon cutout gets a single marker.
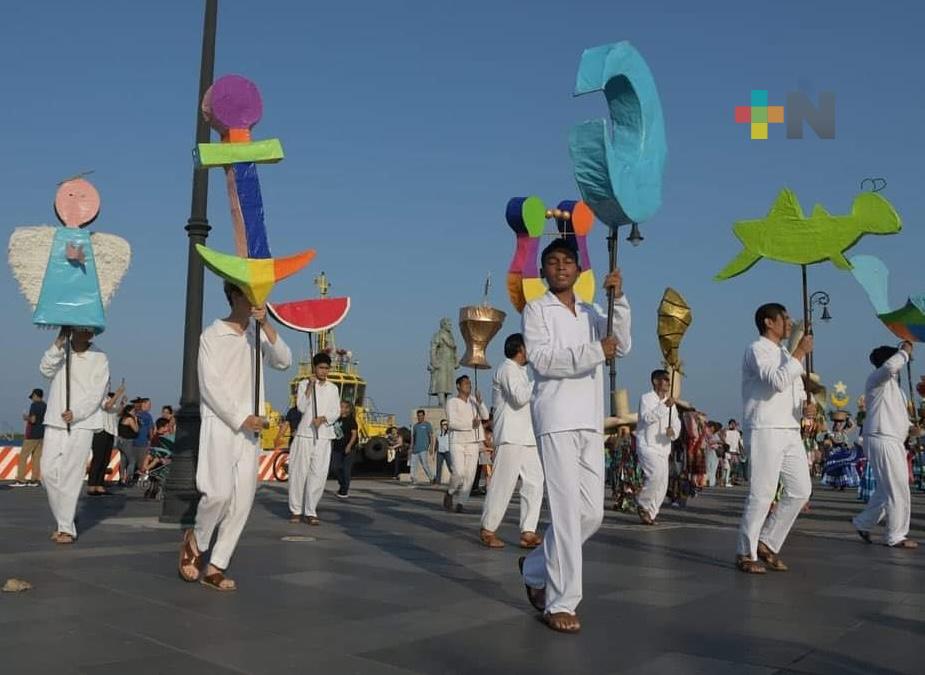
(311, 316)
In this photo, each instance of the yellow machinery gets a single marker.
(371, 424)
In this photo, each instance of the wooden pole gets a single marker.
(67, 371)
(258, 357)
(807, 321)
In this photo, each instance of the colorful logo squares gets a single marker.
(759, 114)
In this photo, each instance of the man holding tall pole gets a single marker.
(568, 344)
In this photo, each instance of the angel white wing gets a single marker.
(28, 256)
(112, 255)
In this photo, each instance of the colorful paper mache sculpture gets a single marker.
(527, 216)
(619, 171)
(787, 236)
(233, 106)
(907, 322)
(68, 274)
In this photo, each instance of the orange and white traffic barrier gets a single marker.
(9, 461)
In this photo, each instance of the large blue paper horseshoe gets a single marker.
(619, 171)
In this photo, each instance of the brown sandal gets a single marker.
(216, 580)
(770, 559)
(905, 543)
(62, 538)
(749, 566)
(295, 519)
(536, 596)
(562, 622)
(189, 558)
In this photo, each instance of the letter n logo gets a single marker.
(800, 109)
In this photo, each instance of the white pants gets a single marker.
(64, 465)
(654, 464)
(512, 462)
(465, 461)
(227, 478)
(891, 497)
(309, 462)
(573, 462)
(773, 455)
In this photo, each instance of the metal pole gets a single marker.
(180, 495)
(67, 371)
(612, 363)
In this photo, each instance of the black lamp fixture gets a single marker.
(635, 238)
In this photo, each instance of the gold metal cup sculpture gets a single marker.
(478, 325)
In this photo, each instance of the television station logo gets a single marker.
(759, 115)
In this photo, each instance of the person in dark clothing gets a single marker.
(343, 447)
(127, 431)
(102, 444)
(32, 443)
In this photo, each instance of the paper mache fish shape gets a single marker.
(67, 274)
(787, 236)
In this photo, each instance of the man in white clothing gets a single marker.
(229, 437)
(310, 451)
(659, 424)
(568, 345)
(69, 428)
(465, 414)
(886, 427)
(516, 455)
(733, 438)
(775, 403)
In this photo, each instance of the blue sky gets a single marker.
(408, 125)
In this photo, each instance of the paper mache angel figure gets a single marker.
(67, 274)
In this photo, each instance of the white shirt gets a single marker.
(226, 370)
(460, 414)
(443, 442)
(887, 414)
(328, 406)
(568, 360)
(511, 391)
(772, 387)
(89, 386)
(652, 427)
(110, 419)
(733, 438)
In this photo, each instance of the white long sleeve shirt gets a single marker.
(887, 414)
(459, 415)
(89, 386)
(226, 370)
(568, 361)
(652, 427)
(511, 390)
(772, 387)
(328, 406)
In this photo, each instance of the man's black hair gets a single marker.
(659, 374)
(769, 310)
(460, 379)
(882, 354)
(421, 412)
(161, 423)
(167, 407)
(560, 244)
(321, 358)
(513, 344)
(230, 290)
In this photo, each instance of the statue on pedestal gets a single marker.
(443, 362)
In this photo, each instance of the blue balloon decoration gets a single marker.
(619, 171)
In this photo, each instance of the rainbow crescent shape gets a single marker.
(254, 276)
(619, 172)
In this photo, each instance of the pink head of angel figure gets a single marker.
(77, 204)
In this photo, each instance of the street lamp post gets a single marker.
(180, 496)
(821, 299)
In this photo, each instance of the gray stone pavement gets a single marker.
(390, 583)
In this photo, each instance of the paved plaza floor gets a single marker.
(390, 583)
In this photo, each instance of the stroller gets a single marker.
(159, 458)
